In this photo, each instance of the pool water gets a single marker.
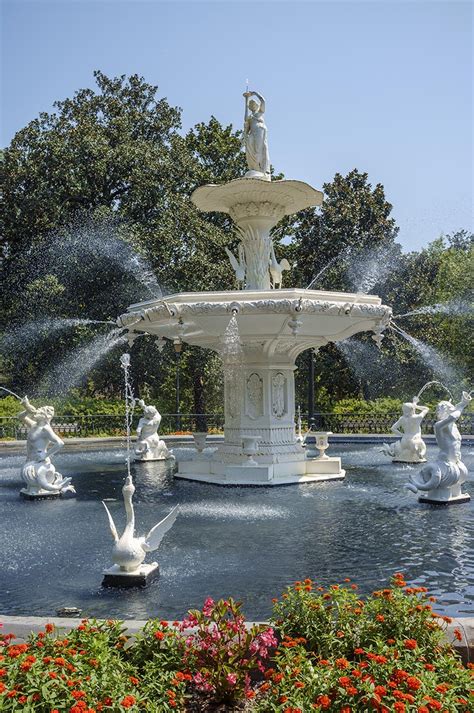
(248, 543)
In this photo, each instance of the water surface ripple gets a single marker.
(248, 543)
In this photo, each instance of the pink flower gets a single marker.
(208, 607)
(231, 679)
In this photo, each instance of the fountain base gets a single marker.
(263, 474)
(143, 575)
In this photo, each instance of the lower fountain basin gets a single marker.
(248, 543)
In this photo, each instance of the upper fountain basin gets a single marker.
(286, 321)
(246, 197)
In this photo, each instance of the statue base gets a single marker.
(40, 495)
(147, 459)
(140, 577)
(405, 460)
(451, 500)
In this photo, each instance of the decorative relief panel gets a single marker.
(254, 396)
(279, 397)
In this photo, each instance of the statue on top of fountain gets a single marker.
(440, 481)
(255, 138)
(411, 448)
(149, 446)
(41, 478)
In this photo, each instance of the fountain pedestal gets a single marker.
(143, 575)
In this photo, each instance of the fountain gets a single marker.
(129, 551)
(274, 326)
(441, 481)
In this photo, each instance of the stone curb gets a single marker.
(22, 626)
(72, 444)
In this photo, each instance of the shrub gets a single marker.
(223, 652)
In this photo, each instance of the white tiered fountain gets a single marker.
(268, 328)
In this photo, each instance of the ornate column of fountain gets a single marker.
(270, 327)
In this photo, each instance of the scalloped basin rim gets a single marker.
(291, 195)
(253, 295)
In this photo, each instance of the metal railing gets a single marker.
(113, 424)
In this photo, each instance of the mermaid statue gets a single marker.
(40, 475)
(441, 481)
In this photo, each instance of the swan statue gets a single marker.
(276, 268)
(129, 551)
(238, 265)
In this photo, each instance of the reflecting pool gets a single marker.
(248, 543)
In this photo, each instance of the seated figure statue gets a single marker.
(441, 480)
(411, 448)
(39, 474)
(148, 445)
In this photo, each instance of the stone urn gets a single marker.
(200, 440)
(322, 443)
(250, 447)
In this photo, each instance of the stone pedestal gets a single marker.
(143, 575)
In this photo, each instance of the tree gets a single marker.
(108, 172)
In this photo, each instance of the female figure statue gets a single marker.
(149, 446)
(39, 473)
(411, 448)
(255, 137)
(441, 480)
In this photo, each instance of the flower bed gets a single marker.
(327, 650)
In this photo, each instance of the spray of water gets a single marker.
(35, 331)
(437, 362)
(231, 353)
(72, 369)
(3, 388)
(88, 242)
(370, 267)
(453, 307)
(431, 383)
(344, 253)
(129, 406)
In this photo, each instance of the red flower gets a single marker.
(128, 701)
(399, 707)
(413, 683)
(410, 644)
(457, 634)
(324, 701)
(78, 694)
(134, 681)
(159, 635)
(49, 628)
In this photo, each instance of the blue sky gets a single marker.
(382, 86)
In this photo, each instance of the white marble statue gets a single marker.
(238, 265)
(38, 472)
(411, 448)
(441, 480)
(148, 445)
(276, 268)
(255, 137)
(129, 551)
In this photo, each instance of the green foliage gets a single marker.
(339, 653)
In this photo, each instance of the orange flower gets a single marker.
(413, 683)
(380, 617)
(457, 634)
(128, 701)
(410, 644)
(324, 701)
